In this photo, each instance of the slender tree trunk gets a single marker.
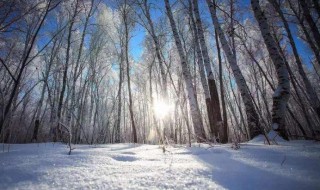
(77, 65)
(57, 134)
(134, 131)
(282, 93)
(194, 107)
(158, 49)
(273, 88)
(295, 85)
(252, 116)
(313, 98)
(223, 133)
(29, 46)
(161, 61)
(118, 121)
(223, 104)
(313, 47)
(45, 79)
(312, 24)
(204, 82)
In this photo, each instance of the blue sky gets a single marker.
(136, 43)
(138, 35)
(139, 32)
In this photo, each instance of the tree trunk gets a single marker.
(313, 26)
(134, 131)
(211, 82)
(313, 47)
(58, 134)
(282, 93)
(158, 50)
(194, 107)
(223, 104)
(252, 116)
(28, 47)
(76, 68)
(204, 82)
(313, 98)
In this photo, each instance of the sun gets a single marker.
(162, 109)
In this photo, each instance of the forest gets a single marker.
(160, 94)
(146, 71)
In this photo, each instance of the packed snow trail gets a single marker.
(294, 165)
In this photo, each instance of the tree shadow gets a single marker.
(123, 147)
(11, 178)
(251, 168)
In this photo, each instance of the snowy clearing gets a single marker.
(294, 165)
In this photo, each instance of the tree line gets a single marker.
(221, 71)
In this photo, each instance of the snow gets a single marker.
(289, 165)
(273, 137)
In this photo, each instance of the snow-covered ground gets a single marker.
(294, 165)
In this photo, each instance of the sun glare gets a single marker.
(162, 109)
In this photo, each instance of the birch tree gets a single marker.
(75, 12)
(252, 116)
(282, 92)
(127, 23)
(214, 97)
(31, 37)
(193, 103)
(203, 77)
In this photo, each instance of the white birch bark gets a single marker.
(212, 84)
(282, 92)
(202, 72)
(201, 37)
(313, 98)
(252, 116)
(193, 103)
